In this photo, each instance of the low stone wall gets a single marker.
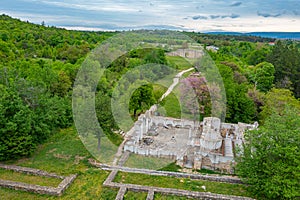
(121, 193)
(65, 184)
(216, 178)
(32, 171)
(28, 187)
(166, 191)
(178, 192)
(56, 191)
(150, 195)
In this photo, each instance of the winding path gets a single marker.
(175, 82)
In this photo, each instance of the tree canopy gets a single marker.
(270, 159)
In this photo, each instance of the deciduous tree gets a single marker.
(270, 160)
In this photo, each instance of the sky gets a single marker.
(193, 15)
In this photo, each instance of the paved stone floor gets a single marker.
(169, 140)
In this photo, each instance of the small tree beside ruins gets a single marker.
(195, 96)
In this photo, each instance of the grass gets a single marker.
(130, 195)
(182, 183)
(170, 107)
(63, 154)
(107, 148)
(11, 175)
(147, 162)
(167, 80)
(158, 91)
(178, 62)
(172, 167)
(168, 197)
(86, 186)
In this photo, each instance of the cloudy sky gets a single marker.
(197, 15)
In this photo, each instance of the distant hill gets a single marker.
(277, 35)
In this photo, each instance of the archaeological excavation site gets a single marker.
(209, 144)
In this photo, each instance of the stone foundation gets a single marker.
(166, 191)
(193, 144)
(56, 191)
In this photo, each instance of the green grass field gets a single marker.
(10, 175)
(130, 195)
(147, 162)
(170, 107)
(178, 62)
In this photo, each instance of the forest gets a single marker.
(39, 64)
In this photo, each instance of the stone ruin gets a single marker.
(187, 53)
(209, 144)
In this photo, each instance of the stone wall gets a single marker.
(177, 192)
(166, 191)
(187, 53)
(32, 171)
(216, 178)
(56, 191)
(224, 166)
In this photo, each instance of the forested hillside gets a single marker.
(38, 67)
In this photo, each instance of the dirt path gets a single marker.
(175, 82)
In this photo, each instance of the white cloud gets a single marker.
(200, 15)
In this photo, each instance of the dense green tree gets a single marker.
(240, 107)
(62, 86)
(270, 160)
(141, 99)
(15, 126)
(276, 100)
(155, 56)
(106, 119)
(286, 60)
(258, 99)
(264, 76)
(257, 56)
(103, 110)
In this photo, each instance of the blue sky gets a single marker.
(197, 15)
